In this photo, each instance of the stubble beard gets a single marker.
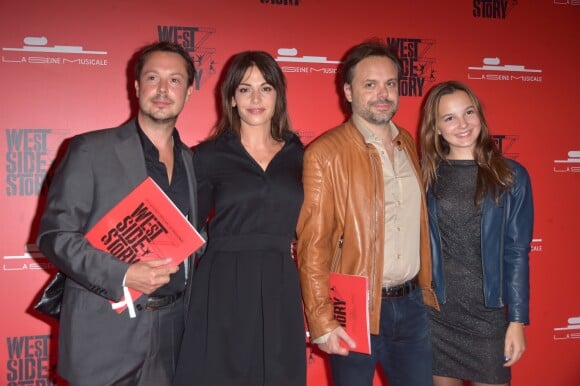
(379, 119)
(160, 120)
(158, 117)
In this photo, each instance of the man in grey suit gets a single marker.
(98, 346)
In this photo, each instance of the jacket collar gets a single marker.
(359, 139)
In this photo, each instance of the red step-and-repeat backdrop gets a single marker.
(65, 68)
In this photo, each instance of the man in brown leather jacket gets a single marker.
(364, 213)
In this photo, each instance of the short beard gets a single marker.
(367, 114)
(159, 121)
(370, 117)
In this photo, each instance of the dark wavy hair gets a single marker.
(493, 172)
(373, 47)
(230, 119)
(345, 71)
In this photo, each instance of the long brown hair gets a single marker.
(230, 119)
(493, 172)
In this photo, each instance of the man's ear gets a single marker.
(348, 92)
(137, 89)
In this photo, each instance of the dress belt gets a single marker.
(400, 290)
(157, 302)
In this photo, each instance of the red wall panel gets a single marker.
(520, 57)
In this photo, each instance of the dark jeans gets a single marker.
(403, 348)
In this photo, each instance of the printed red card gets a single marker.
(145, 225)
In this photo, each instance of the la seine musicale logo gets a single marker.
(570, 331)
(291, 62)
(31, 260)
(36, 50)
(493, 69)
(567, 2)
(571, 164)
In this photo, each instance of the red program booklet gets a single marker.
(350, 298)
(144, 225)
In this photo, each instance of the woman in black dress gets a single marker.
(481, 220)
(245, 325)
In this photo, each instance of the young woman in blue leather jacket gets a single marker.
(481, 222)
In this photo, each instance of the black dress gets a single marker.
(468, 338)
(245, 325)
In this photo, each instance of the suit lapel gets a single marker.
(130, 151)
(191, 184)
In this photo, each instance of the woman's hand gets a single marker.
(515, 343)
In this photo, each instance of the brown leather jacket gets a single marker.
(343, 204)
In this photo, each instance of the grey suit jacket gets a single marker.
(98, 170)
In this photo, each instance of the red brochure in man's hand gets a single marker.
(350, 298)
(145, 225)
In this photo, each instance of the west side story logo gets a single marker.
(36, 50)
(29, 153)
(28, 361)
(129, 239)
(281, 2)
(505, 143)
(27, 161)
(418, 67)
(193, 40)
(492, 9)
(568, 165)
(492, 69)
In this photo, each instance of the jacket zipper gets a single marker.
(374, 260)
(440, 249)
(504, 211)
(337, 254)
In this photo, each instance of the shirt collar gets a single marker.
(369, 136)
(148, 147)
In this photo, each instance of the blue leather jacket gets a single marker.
(506, 234)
